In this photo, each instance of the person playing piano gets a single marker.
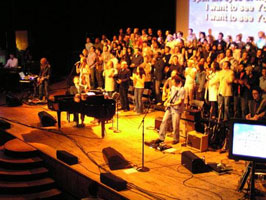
(43, 79)
(12, 61)
(76, 90)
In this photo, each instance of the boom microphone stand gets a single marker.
(143, 168)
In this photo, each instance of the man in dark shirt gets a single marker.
(158, 75)
(257, 106)
(220, 41)
(122, 78)
(137, 59)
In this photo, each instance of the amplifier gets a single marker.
(184, 127)
(197, 140)
(191, 115)
(158, 122)
(193, 119)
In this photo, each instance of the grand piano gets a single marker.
(96, 106)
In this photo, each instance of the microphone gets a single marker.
(77, 62)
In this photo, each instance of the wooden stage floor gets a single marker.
(167, 178)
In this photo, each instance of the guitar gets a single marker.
(214, 131)
(39, 81)
(165, 94)
(217, 133)
(168, 103)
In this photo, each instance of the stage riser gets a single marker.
(20, 183)
(25, 165)
(21, 154)
(24, 177)
(25, 190)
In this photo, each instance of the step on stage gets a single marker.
(87, 154)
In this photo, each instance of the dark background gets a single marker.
(57, 29)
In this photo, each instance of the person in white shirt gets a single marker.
(190, 75)
(261, 42)
(138, 82)
(225, 79)
(12, 61)
(109, 73)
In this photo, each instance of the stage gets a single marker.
(166, 178)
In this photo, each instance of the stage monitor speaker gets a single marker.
(113, 181)
(114, 159)
(66, 157)
(46, 119)
(4, 125)
(193, 163)
(12, 100)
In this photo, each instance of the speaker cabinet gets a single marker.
(193, 163)
(197, 141)
(113, 181)
(114, 159)
(46, 119)
(158, 122)
(66, 157)
(12, 101)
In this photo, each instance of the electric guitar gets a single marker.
(168, 103)
(39, 81)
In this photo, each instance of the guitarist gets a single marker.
(174, 108)
(167, 85)
(43, 79)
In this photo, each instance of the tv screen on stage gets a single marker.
(248, 140)
(230, 17)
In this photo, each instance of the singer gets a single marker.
(174, 108)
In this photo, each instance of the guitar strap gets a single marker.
(171, 100)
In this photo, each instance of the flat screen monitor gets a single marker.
(248, 140)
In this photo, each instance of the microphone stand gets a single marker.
(112, 128)
(143, 168)
(116, 130)
(116, 100)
